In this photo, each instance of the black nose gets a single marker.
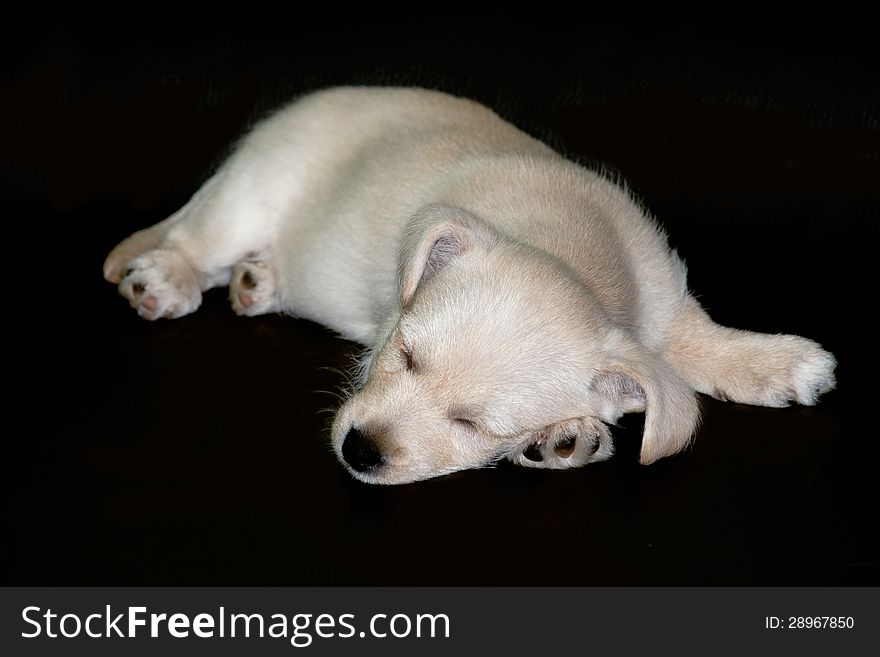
(360, 452)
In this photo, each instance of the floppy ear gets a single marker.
(649, 385)
(435, 236)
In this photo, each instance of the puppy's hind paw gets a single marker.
(160, 284)
(252, 288)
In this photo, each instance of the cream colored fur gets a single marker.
(513, 302)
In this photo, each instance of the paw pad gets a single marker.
(565, 446)
(247, 281)
(533, 453)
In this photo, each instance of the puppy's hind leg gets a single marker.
(161, 284)
(163, 270)
(746, 367)
(155, 278)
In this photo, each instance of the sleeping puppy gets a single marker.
(513, 303)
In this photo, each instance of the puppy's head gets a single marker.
(498, 347)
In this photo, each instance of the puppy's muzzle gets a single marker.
(361, 452)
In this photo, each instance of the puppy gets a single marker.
(513, 303)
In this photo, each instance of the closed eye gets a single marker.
(464, 422)
(408, 361)
(466, 417)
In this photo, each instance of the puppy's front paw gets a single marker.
(813, 375)
(781, 369)
(252, 289)
(567, 444)
(160, 284)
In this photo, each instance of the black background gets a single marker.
(195, 451)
